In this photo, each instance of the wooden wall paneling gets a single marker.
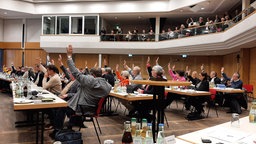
(13, 56)
(90, 58)
(194, 62)
(252, 76)
(215, 64)
(32, 45)
(32, 55)
(11, 45)
(230, 64)
(245, 65)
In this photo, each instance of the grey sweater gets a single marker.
(91, 88)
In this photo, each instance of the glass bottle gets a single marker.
(160, 135)
(133, 126)
(137, 139)
(144, 128)
(252, 113)
(127, 136)
(149, 135)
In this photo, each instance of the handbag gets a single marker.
(69, 136)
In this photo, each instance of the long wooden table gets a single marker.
(159, 90)
(225, 133)
(229, 90)
(188, 92)
(131, 97)
(21, 104)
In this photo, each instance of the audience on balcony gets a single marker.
(190, 28)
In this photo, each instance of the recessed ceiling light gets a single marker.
(181, 10)
(139, 17)
(115, 17)
(5, 13)
(202, 8)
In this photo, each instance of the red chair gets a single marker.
(249, 90)
(90, 116)
(212, 102)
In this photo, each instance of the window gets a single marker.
(62, 24)
(90, 24)
(49, 25)
(76, 25)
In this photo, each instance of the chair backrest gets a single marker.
(213, 93)
(100, 104)
(248, 88)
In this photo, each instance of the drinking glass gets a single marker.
(235, 120)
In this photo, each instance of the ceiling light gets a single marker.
(5, 13)
(202, 8)
(115, 17)
(181, 10)
(139, 17)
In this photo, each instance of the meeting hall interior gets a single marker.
(127, 71)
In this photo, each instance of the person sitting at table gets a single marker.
(72, 85)
(193, 78)
(18, 72)
(135, 74)
(234, 100)
(214, 79)
(92, 88)
(39, 76)
(123, 77)
(54, 84)
(143, 107)
(179, 74)
(198, 101)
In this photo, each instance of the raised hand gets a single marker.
(95, 65)
(124, 63)
(157, 60)
(60, 60)
(189, 71)
(148, 60)
(173, 67)
(186, 68)
(202, 67)
(69, 50)
(52, 61)
(117, 67)
(222, 69)
(85, 63)
(133, 66)
(169, 66)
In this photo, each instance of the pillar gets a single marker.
(245, 5)
(157, 28)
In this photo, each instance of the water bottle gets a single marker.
(137, 139)
(160, 135)
(133, 126)
(144, 128)
(252, 113)
(149, 135)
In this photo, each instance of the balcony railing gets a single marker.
(193, 30)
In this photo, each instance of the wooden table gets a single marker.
(131, 97)
(159, 90)
(224, 133)
(188, 92)
(229, 90)
(38, 106)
